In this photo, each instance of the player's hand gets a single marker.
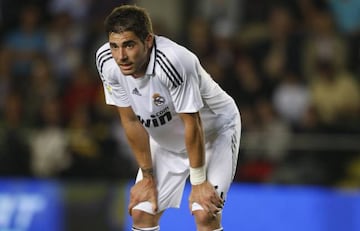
(206, 195)
(144, 190)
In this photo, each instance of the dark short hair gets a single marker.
(129, 18)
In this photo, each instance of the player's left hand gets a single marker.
(206, 195)
(144, 190)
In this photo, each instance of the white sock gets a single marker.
(220, 229)
(156, 228)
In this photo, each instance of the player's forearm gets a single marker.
(194, 139)
(138, 140)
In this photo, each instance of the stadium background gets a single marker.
(292, 67)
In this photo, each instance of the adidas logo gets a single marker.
(135, 91)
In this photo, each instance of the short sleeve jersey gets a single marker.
(174, 82)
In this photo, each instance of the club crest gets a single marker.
(158, 99)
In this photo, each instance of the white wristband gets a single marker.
(197, 175)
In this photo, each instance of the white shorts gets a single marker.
(171, 170)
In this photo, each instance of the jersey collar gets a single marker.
(150, 71)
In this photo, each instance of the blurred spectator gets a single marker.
(14, 148)
(346, 15)
(269, 142)
(223, 50)
(249, 153)
(323, 42)
(10, 11)
(48, 141)
(276, 133)
(245, 84)
(64, 44)
(83, 146)
(42, 87)
(255, 11)
(354, 54)
(7, 15)
(224, 16)
(335, 94)
(291, 99)
(216, 71)
(24, 43)
(352, 174)
(76, 9)
(199, 37)
(122, 154)
(80, 92)
(5, 81)
(310, 123)
(211, 31)
(280, 51)
(114, 148)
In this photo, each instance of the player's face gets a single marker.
(130, 53)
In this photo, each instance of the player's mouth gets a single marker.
(125, 66)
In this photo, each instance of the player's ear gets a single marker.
(149, 41)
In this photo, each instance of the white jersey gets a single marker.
(174, 82)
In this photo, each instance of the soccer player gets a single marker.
(177, 120)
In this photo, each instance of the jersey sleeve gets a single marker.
(182, 79)
(109, 73)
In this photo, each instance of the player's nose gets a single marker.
(120, 56)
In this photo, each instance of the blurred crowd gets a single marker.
(292, 67)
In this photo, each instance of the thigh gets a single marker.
(222, 154)
(171, 172)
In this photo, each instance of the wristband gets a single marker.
(197, 175)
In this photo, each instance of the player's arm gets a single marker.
(138, 138)
(202, 191)
(194, 139)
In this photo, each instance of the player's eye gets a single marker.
(128, 44)
(113, 46)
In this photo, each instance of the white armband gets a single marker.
(197, 175)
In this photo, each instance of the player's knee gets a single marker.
(143, 219)
(203, 218)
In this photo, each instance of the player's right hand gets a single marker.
(206, 195)
(144, 190)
